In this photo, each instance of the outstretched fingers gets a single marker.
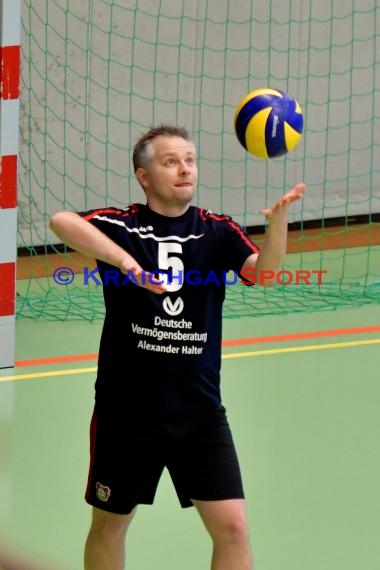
(293, 195)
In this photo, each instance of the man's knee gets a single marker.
(232, 529)
(109, 526)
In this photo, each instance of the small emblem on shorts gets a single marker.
(102, 492)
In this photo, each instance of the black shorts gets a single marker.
(128, 457)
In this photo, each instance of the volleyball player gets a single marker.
(157, 397)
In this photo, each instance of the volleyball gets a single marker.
(268, 123)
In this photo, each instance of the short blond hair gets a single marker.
(143, 149)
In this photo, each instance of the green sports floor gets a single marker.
(304, 409)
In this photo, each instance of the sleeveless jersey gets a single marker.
(162, 353)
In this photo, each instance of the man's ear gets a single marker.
(142, 177)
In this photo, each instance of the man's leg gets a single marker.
(105, 545)
(227, 523)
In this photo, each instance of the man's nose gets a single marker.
(184, 167)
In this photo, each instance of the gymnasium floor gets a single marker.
(304, 410)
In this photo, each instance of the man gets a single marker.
(158, 398)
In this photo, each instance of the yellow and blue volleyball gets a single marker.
(268, 123)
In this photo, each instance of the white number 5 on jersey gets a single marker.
(167, 261)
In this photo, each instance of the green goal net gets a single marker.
(97, 73)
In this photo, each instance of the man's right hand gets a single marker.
(144, 278)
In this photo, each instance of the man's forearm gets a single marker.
(81, 236)
(273, 249)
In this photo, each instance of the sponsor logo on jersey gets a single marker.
(173, 308)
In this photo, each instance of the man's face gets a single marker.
(169, 178)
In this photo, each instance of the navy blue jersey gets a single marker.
(162, 353)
